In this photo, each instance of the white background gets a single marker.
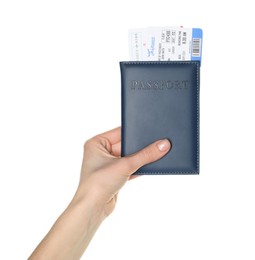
(60, 85)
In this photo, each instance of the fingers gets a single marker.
(114, 135)
(116, 149)
(149, 154)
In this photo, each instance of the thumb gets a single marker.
(150, 153)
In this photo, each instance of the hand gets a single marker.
(104, 172)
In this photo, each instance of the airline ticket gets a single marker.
(165, 44)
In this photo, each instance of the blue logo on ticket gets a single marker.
(165, 44)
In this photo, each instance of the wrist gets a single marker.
(88, 203)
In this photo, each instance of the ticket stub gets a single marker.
(165, 44)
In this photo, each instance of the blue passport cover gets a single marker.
(160, 99)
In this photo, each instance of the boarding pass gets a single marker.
(165, 44)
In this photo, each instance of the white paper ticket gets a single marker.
(165, 44)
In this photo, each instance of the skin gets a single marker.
(103, 174)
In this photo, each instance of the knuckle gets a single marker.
(147, 154)
(87, 145)
(129, 164)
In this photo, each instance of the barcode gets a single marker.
(196, 44)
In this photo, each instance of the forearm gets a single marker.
(72, 232)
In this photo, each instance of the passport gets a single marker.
(160, 99)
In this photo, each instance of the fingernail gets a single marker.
(163, 145)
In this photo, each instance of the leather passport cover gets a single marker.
(160, 99)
